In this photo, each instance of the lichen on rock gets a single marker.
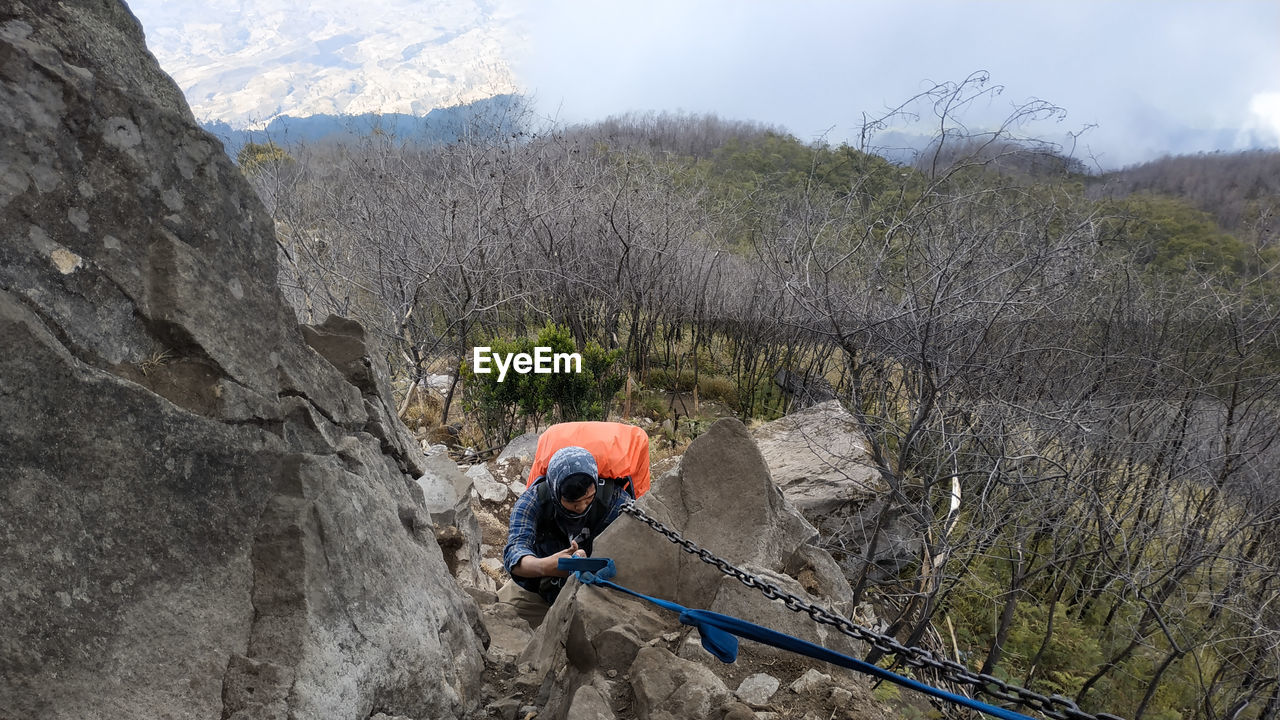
(204, 515)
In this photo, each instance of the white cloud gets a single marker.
(1264, 118)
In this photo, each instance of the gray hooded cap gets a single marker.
(571, 460)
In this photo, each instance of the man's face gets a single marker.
(579, 506)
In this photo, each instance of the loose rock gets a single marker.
(663, 683)
(507, 708)
(810, 682)
(588, 704)
(486, 487)
(516, 458)
(756, 689)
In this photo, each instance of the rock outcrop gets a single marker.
(818, 456)
(449, 500)
(515, 460)
(601, 646)
(208, 510)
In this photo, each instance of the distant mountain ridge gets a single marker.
(498, 113)
(245, 63)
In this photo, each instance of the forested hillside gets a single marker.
(1241, 191)
(1091, 362)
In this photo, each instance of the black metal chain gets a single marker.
(1057, 707)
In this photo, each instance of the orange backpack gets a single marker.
(620, 450)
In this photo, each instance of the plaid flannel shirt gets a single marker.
(523, 531)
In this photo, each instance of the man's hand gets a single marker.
(530, 566)
(551, 568)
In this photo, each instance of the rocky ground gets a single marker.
(603, 655)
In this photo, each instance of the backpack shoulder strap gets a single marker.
(606, 497)
(624, 484)
(543, 499)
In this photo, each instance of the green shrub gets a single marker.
(657, 378)
(255, 157)
(501, 407)
(722, 389)
(886, 692)
(653, 407)
(664, 379)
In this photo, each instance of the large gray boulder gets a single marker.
(521, 449)
(720, 497)
(208, 511)
(803, 390)
(818, 456)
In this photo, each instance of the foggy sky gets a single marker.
(1153, 77)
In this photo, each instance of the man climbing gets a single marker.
(559, 516)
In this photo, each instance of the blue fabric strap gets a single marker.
(718, 637)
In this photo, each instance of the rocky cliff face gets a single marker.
(207, 511)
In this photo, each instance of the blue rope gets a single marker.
(717, 632)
